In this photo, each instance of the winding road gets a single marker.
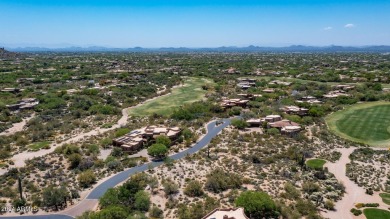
(90, 202)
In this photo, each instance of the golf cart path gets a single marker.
(91, 200)
(354, 194)
(20, 158)
(17, 127)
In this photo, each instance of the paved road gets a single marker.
(96, 193)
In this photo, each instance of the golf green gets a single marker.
(315, 163)
(374, 213)
(367, 123)
(191, 91)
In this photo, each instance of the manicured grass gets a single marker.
(385, 198)
(367, 123)
(191, 91)
(374, 213)
(315, 163)
(39, 145)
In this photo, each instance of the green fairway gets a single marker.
(191, 91)
(367, 123)
(385, 198)
(373, 213)
(39, 145)
(315, 163)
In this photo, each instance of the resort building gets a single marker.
(12, 90)
(254, 122)
(309, 99)
(249, 96)
(261, 121)
(336, 93)
(27, 103)
(269, 90)
(231, 213)
(246, 83)
(136, 139)
(272, 118)
(227, 103)
(295, 110)
(286, 126)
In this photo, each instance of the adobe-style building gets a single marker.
(261, 121)
(286, 126)
(136, 139)
(230, 213)
(336, 93)
(27, 103)
(295, 110)
(309, 99)
(228, 103)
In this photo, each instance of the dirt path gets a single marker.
(354, 193)
(17, 127)
(19, 159)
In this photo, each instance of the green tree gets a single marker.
(218, 180)
(239, 123)
(142, 201)
(74, 160)
(86, 178)
(257, 204)
(55, 197)
(162, 139)
(187, 134)
(110, 197)
(156, 212)
(158, 151)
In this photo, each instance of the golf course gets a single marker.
(367, 123)
(190, 91)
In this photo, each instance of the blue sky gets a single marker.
(155, 23)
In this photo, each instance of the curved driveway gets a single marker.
(92, 198)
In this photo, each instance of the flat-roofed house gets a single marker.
(26, 103)
(336, 93)
(286, 126)
(295, 110)
(233, 102)
(282, 123)
(254, 122)
(291, 129)
(136, 139)
(272, 118)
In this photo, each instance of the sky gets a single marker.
(194, 24)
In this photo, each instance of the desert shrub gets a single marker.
(194, 189)
(86, 178)
(218, 180)
(156, 212)
(170, 187)
(329, 204)
(356, 212)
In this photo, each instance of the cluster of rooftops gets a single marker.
(27, 103)
(339, 90)
(135, 139)
(276, 121)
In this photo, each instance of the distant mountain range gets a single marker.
(294, 48)
(4, 54)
